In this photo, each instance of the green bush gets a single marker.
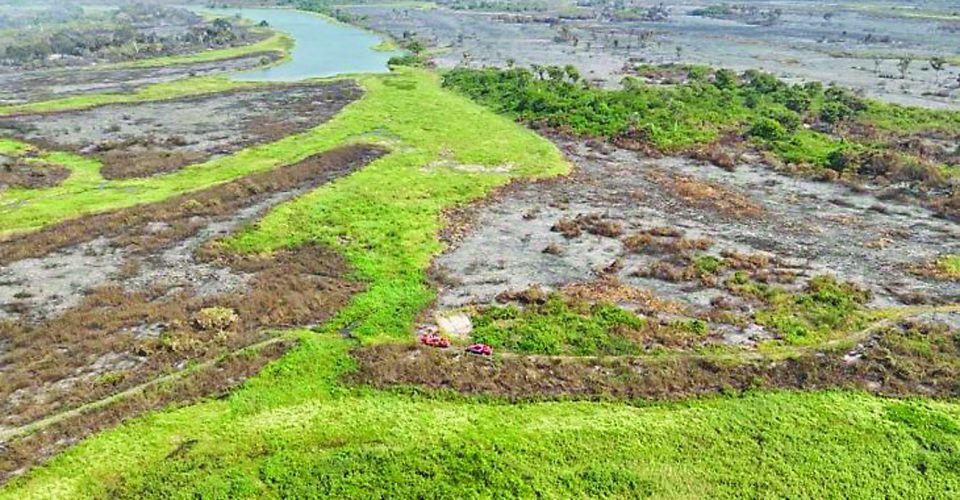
(406, 60)
(767, 129)
(726, 79)
(560, 326)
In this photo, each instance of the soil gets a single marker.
(99, 304)
(801, 46)
(19, 87)
(142, 139)
(642, 221)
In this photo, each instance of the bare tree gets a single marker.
(938, 63)
(903, 65)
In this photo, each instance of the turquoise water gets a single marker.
(321, 47)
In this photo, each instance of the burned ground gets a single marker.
(96, 305)
(142, 139)
(19, 87)
(671, 211)
(801, 46)
(21, 172)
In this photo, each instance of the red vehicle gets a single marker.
(481, 349)
(434, 340)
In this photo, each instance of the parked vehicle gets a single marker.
(434, 340)
(481, 349)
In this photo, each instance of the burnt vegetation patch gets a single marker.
(152, 317)
(213, 380)
(23, 173)
(70, 36)
(183, 213)
(902, 360)
(149, 138)
(22, 87)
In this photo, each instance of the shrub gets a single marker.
(834, 112)
(764, 83)
(726, 79)
(840, 159)
(796, 99)
(708, 264)
(789, 120)
(950, 265)
(406, 60)
(215, 318)
(767, 129)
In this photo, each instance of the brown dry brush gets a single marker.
(708, 195)
(17, 455)
(31, 175)
(594, 224)
(47, 366)
(885, 365)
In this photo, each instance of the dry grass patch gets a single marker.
(611, 289)
(708, 195)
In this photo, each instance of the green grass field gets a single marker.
(296, 431)
(950, 264)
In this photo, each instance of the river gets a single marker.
(322, 47)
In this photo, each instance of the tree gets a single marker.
(556, 73)
(538, 69)
(415, 47)
(903, 65)
(938, 63)
(725, 79)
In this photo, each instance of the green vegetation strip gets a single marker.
(169, 90)
(278, 42)
(950, 265)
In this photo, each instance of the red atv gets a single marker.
(434, 340)
(481, 349)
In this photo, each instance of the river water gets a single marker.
(321, 47)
